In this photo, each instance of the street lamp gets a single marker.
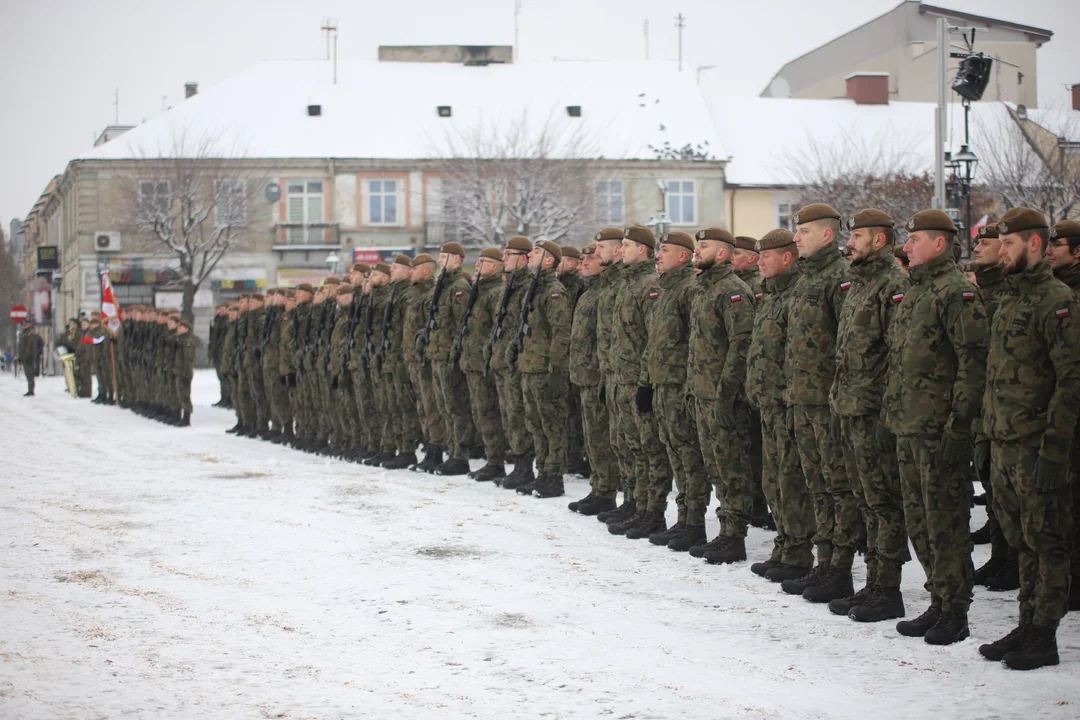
(332, 261)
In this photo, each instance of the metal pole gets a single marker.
(939, 114)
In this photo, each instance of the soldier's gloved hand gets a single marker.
(644, 399)
(556, 382)
(724, 413)
(982, 454)
(1050, 476)
(955, 448)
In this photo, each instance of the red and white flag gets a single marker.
(110, 309)
(980, 224)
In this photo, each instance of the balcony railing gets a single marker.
(307, 235)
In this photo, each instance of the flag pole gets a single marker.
(112, 354)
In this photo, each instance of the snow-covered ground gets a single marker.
(148, 571)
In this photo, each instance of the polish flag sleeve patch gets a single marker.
(897, 297)
(846, 285)
(736, 298)
(1061, 313)
(555, 296)
(967, 295)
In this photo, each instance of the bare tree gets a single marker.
(519, 178)
(194, 202)
(12, 290)
(1024, 163)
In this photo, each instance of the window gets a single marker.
(784, 210)
(681, 202)
(154, 200)
(382, 202)
(305, 208)
(230, 203)
(134, 294)
(609, 202)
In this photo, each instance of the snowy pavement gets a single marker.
(148, 571)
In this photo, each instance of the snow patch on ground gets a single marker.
(150, 571)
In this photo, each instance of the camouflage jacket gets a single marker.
(301, 319)
(991, 282)
(380, 297)
(402, 297)
(546, 347)
(668, 348)
(813, 314)
(607, 286)
(508, 331)
(478, 331)
(862, 349)
(416, 318)
(584, 361)
(228, 347)
(721, 327)
(28, 347)
(1033, 369)
(638, 294)
(1071, 277)
(754, 281)
(287, 342)
(938, 342)
(574, 284)
(449, 312)
(338, 337)
(325, 355)
(253, 357)
(271, 360)
(765, 379)
(184, 360)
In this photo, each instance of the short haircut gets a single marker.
(1042, 233)
(832, 223)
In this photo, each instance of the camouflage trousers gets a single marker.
(575, 438)
(431, 422)
(367, 430)
(674, 418)
(84, 377)
(871, 465)
(836, 511)
(183, 392)
(258, 396)
(596, 430)
(405, 403)
(484, 401)
(727, 464)
(275, 389)
(1038, 525)
(757, 487)
(622, 416)
(244, 404)
(1074, 467)
(452, 398)
(937, 512)
(545, 416)
(343, 408)
(385, 399)
(785, 489)
(512, 407)
(223, 383)
(639, 440)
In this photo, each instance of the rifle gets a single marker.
(365, 350)
(350, 334)
(328, 318)
(241, 340)
(433, 308)
(264, 340)
(305, 348)
(524, 330)
(384, 345)
(455, 353)
(500, 316)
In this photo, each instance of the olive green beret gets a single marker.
(684, 240)
(184, 324)
(403, 259)
(519, 242)
(815, 211)
(258, 296)
(868, 218)
(716, 233)
(492, 254)
(381, 267)
(744, 242)
(775, 239)
(988, 231)
(552, 248)
(331, 280)
(344, 289)
(421, 259)
(898, 253)
(569, 251)
(1066, 229)
(641, 234)
(1022, 218)
(589, 249)
(453, 248)
(290, 294)
(306, 287)
(362, 268)
(609, 233)
(931, 220)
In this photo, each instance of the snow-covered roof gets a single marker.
(385, 110)
(770, 139)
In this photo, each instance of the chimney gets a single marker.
(1076, 96)
(191, 89)
(868, 88)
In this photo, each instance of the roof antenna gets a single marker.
(329, 29)
(680, 23)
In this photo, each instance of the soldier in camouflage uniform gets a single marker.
(395, 360)
(431, 422)
(571, 279)
(508, 382)
(810, 366)
(230, 349)
(253, 363)
(468, 354)
(339, 375)
(1064, 255)
(271, 362)
(98, 348)
(304, 432)
(360, 416)
(587, 379)
(287, 366)
(184, 370)
(783, 480)
(937, 346)
(84, 363)
(382, 385)
(218, 327)
(1030, 410)
(862, 351)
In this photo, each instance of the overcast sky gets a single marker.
(62, 60)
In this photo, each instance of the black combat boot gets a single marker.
(951, 627)
(884, 604)
(551, 487)
(621, 527)
(453, 466)
(759, 568)
(403, 461)
(734, 551)
(573, 505)
(522, 474)
(596, 505)
(690, 536)
(99, 399)
(999, 555)
(919, 626)
(234, 429)
(1074, 595)
(581, 468)
(653, 522)
(817, 574)
(842, 606)
(489, 472)
(527, 487)
(836, 584)
(999, 648)
(476, 452)
(703, 547)
(185, 419)
(1039, 649)
(432, 459)
(1008, 577)
(784, 572)
(982, 535)
(628, 507)
(666, 536)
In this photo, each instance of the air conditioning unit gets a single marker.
(107, 241)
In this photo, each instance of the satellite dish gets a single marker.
(273, 192)
(779, 88)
